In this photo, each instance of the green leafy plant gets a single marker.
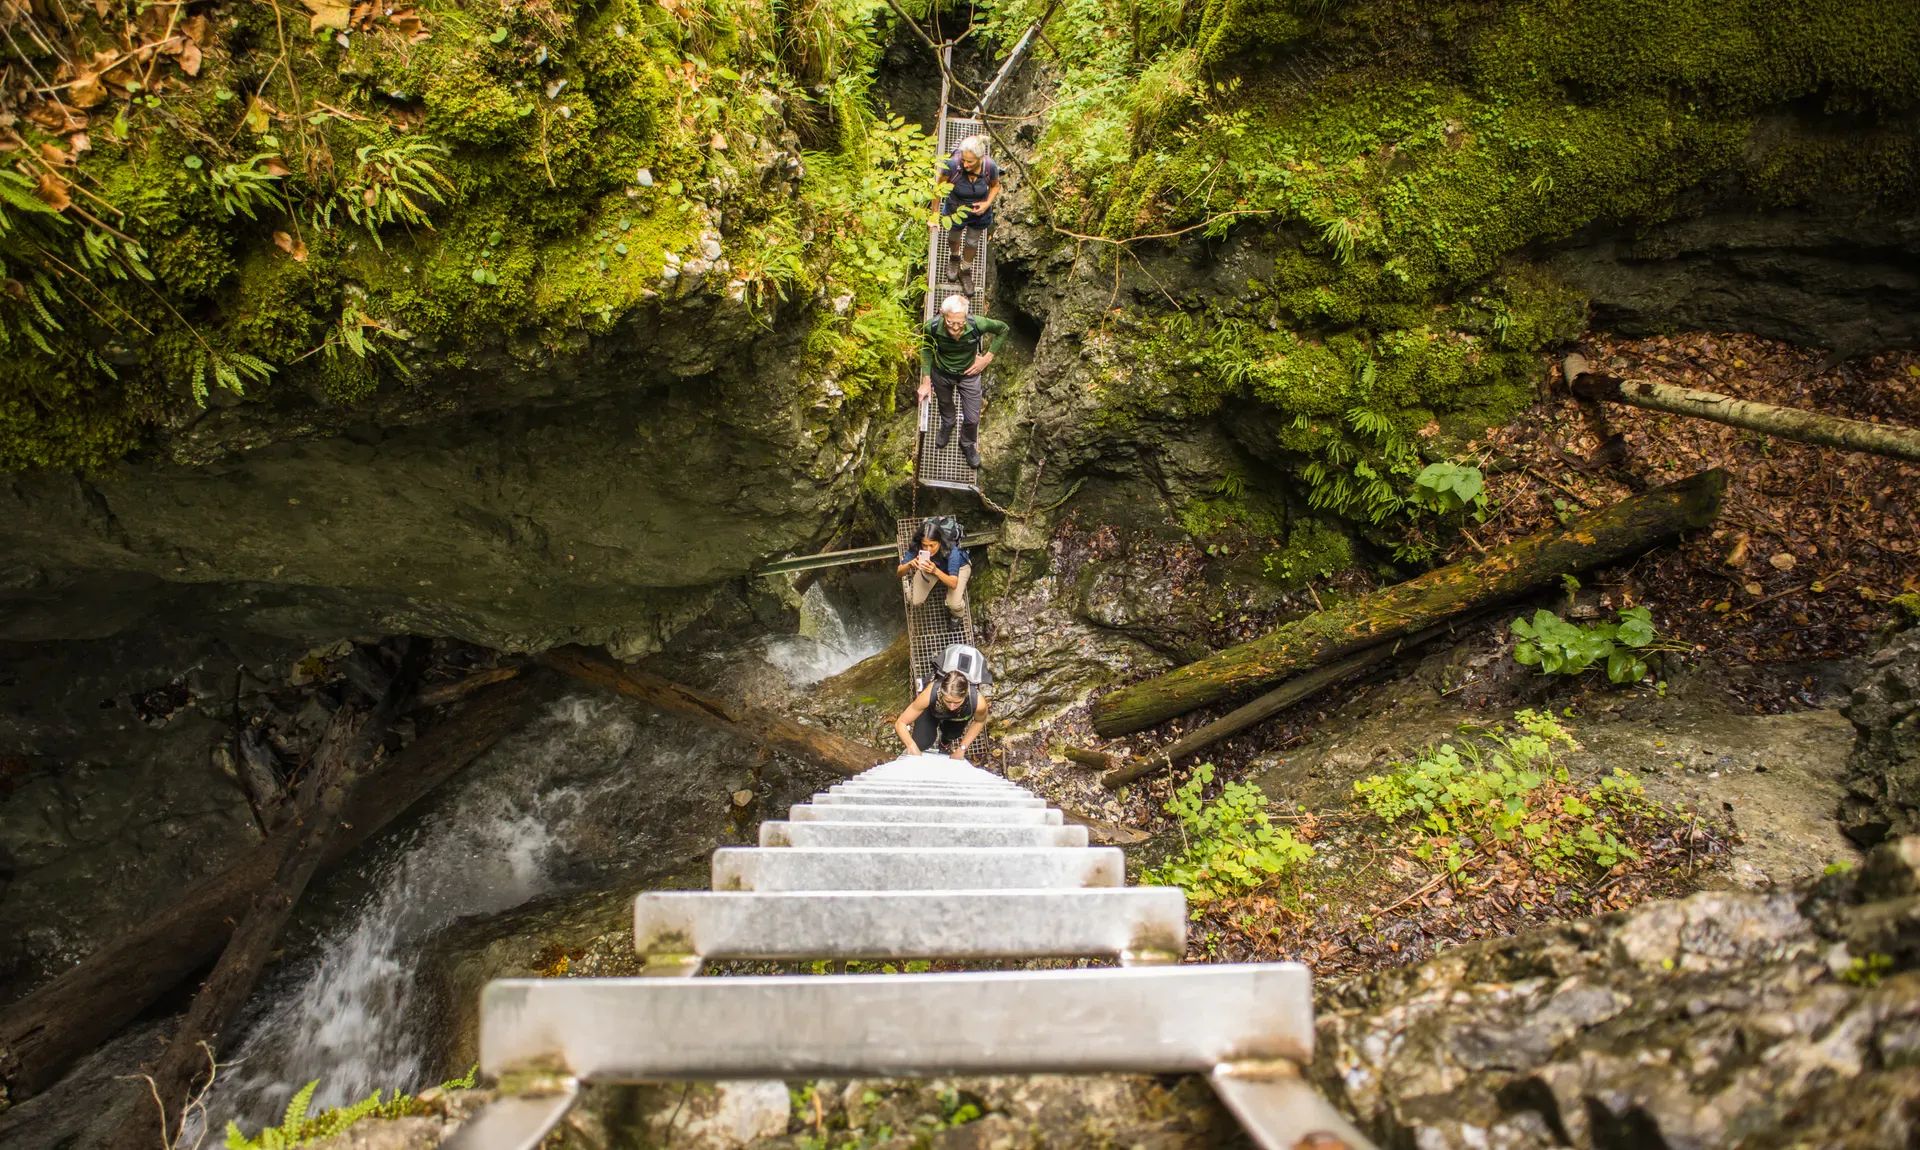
(1229, 845)
(383, 186)
(229, 369)
(1558, 647)
(1867, 970)
(1508, 792)
(1445, 487)
(238, 188)
(298, 1127)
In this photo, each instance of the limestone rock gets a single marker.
(1883, 785)
(1725, 1019)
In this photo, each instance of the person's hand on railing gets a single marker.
(926, 388)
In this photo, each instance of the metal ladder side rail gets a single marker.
(1249, 1027)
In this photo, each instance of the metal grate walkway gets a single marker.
(930, 626)
(934, 466)
(925, 857)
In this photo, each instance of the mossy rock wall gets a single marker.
(1346, 237)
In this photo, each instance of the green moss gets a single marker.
(1397, 161)
(1315, 550)
(519, 138)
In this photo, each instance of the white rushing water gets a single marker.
(574, 796)
(833, 637)
(515, 827)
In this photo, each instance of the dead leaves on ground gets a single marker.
(1811, 541)
(364, 17)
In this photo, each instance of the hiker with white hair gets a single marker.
(972, 180)
(954, 350)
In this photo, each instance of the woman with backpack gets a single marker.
(937, 559)
(950, 710)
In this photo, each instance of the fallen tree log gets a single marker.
(1265, 707)
(1889, 439)
(44, 1032)
(1088, 758)
(314, 822)
(808, 744)
(1591, 540)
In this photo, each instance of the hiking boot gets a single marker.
(969, 444)
(966, 279)
(973, 455)
(943, 436)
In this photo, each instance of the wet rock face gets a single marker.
(1725, 1019)
(598, 494)
(1883, 784)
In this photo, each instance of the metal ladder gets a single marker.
(925, 857)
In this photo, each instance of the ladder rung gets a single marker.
(931, 868)
(909, 799)
(835, 813)
(1153, 1020)
(1133, 921)
(982, 788)
(779, 834)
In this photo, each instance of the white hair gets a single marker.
(955, 304)
(975, 146)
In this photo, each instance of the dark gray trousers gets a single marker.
(966, 388)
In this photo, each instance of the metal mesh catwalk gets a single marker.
(930, 626)
(933, 859)
(946, 466)
(946, 273)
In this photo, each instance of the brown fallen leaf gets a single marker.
(1737, 557)
(295, 248)
(57, 118)
(327, 14)
(80, 142)
(87, 91)
(188, 57)
(273, 167)
(56, 155)
(53, 192)
(197, 29)
(1782, 561)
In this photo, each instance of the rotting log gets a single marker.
(315, 820)
(1591, 540)
(442, 693)
(1088, 758)
(807, 744)
(1266, 706)
(42, 1034)
(1889, 439)
(196, 1042)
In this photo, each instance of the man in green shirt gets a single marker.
(953, 352)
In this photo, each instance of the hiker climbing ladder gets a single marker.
(945, 466)
(925, 857)
(930, 626)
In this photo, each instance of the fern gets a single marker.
(298, 1127)
(229, 369)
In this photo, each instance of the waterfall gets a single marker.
(555, 807)
(592, 788)
(832, 638)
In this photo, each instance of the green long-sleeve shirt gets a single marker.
(953, 353)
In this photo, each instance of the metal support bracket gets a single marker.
(1280, 1110)
(520, 1119)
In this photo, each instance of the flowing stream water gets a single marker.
(567, 804)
